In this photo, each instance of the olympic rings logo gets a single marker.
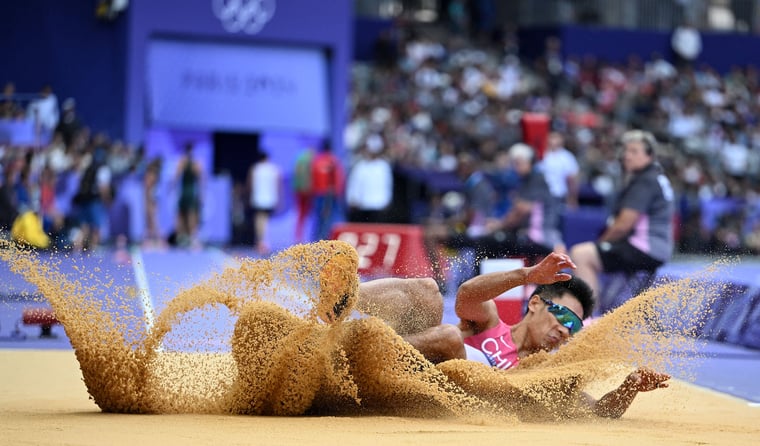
(248, 16)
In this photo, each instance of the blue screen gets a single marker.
(227, 86)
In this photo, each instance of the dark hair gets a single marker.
(326, 145)
(576, 286)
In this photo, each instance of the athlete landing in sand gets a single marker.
(555, 312)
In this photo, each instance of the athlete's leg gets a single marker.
(407, 305)
(414, 309)
(439, 343)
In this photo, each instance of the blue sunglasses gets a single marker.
(565, 316)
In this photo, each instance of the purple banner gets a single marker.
(287, 25)
(234, 87)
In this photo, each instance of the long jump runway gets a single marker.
(44, 401)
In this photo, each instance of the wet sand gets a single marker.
(43, 400)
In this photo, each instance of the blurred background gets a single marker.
(131, 84)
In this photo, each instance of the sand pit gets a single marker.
(44, 401)
(297, 348)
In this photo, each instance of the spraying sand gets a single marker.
(298, 347)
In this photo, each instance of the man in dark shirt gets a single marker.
(8, 208)
(639, 235)
(530, 228)
(467, 223)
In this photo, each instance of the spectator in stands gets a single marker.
(660, 69)
(505, 180)
(53, 220)
(553, 64)
(302, 190)
(686, 42)
(92, 197)
(752, 239)
(188, 178)
(44, 110)
(10, 108)
(640, 234)
(8, 208)
(555, 312)
(686, 122)
(530, 228)
(265, 180)
(150, 182)
(385, 50)
(327, 186)
(120, 159)
(460, 87)
(369, 187)
(27, 197)
(466, 220)
(727, 236)
(57, 155)
(69, 124)
(47, 186)
(561, 171)
(734, 156)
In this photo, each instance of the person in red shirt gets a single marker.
(327, 183)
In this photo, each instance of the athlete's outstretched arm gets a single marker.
(615, 403)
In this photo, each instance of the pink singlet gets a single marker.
(496, 343)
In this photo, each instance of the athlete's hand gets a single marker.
(645, 380)
(549, 270)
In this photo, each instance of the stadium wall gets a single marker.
(64, 44)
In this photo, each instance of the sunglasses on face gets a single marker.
(565, 316)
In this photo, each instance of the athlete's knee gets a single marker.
(426, 302)
(430, 293)
(439, 343)
(452, 343)
(444, 342)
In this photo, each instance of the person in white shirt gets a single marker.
(44, 110)
(560, 169)
(369, 188)
(265, 179)
(687, 44)
(734, 156)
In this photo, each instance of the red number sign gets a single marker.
(386, 249)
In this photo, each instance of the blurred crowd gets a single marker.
(433, 96)
(429, 103)
(56, 193)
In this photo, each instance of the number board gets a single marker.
(386, 250)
